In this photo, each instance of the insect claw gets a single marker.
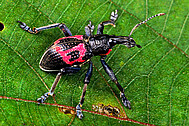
(114, 15)
(22, 23)
(24, 26)
(39, 100)
(43, 98)
(125, 101)
(128, 104)
(91, 26)
(79, 112)
(19, 22)
(89, 23)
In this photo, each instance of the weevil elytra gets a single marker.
(68, 54)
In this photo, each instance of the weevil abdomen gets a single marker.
(51, 61)
(65, 52)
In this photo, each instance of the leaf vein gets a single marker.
(30, 66)
(182, 29)
(171, 90)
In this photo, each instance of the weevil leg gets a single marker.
(51, 92)
(65, 30)
(57, 79)
(86, 82)
(62, 26)
(113, 16)
(112, 20)
(89, 29)
(111, 74)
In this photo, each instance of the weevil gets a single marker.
(68, 54)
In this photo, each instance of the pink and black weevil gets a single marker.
(68, 54)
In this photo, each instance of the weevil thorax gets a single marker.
(100, 45)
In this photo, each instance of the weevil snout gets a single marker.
(130, 42)
(125, 40)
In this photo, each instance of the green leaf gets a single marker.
(155, 77)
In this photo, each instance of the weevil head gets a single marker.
(124, 40)
(130, 42)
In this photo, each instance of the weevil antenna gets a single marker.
(160, 14)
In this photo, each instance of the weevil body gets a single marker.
(79, 49)
(68, 54)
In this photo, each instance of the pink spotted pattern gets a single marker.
(66, 58)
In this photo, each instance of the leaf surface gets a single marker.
(155, 77)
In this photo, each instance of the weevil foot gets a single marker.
(23, 26)
(43, 98)
(125, 101)
(91, 26)
(114, 15)
(79, 112)
(27, 28)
